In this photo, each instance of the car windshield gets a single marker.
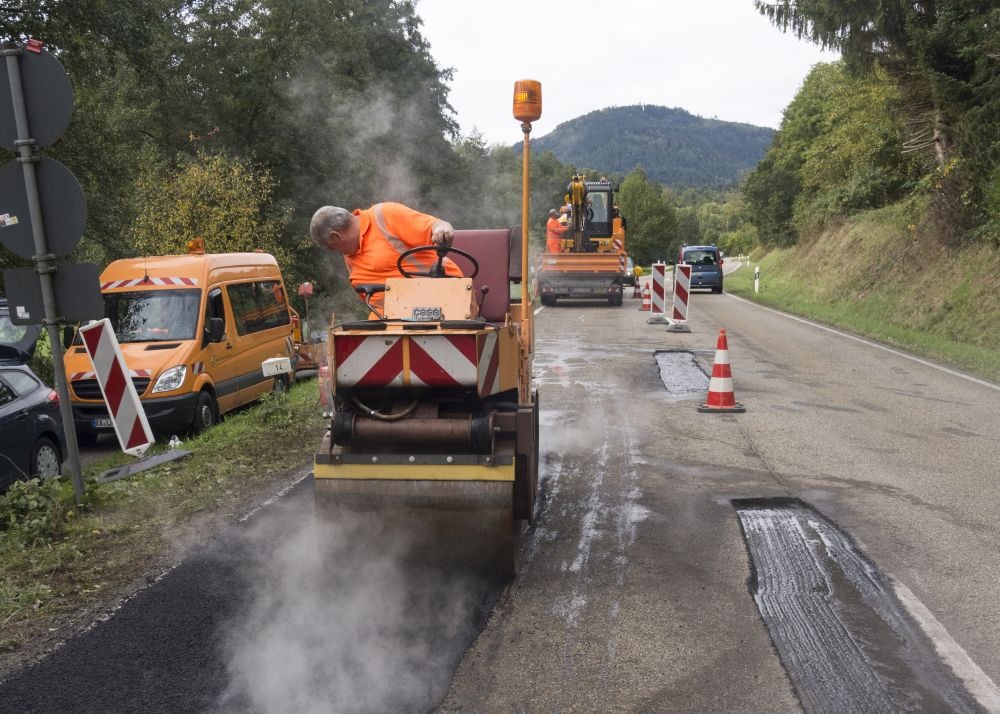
(153, 315)
(9, 332)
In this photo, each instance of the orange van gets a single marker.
(194, 330)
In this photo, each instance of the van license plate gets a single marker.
(101, 423)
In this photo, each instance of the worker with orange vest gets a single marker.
(554, 232)
(371, 241)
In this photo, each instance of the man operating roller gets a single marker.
(371, 241)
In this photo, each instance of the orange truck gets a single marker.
(194, 330)
(592, 262)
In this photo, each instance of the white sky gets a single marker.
(715, 58)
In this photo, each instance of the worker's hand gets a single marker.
(442, 234)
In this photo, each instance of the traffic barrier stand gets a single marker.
(721, 396)
(645, 300)
(124, 407)
(658, 303)
(682, 292)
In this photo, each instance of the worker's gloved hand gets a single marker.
(442, 233)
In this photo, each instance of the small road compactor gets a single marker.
(435, 421)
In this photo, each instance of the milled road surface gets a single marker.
(637, 592)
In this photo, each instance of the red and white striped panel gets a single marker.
(369, 361)
(93, 375)
(488, 351)
(413, 360)
(123, 403)
(659, 302)
(682, 290)
(148, 281)
(443, 360)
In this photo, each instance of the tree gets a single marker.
(942, 55)
(652, 221)
(225, 201)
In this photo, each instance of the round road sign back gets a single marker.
(64, 208)
(48, 99)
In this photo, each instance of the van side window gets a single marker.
(258, 306)
(214, 308)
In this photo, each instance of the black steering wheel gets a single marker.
(436, 270)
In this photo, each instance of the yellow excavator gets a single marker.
(435, 417)
(592, 262)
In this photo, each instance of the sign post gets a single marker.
(49, 94)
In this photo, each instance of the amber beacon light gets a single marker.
(527, 100)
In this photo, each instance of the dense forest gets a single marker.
(233, 120)
(671, 146)
(910, 115)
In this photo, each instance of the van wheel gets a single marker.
(86, 438)
(206, 414)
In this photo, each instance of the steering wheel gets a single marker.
(436, 270)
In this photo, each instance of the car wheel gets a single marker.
(206, 414)
(615, 301)
(717, 290)
(45, 459)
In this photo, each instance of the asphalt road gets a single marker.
(638, 592)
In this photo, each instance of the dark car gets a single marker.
(706, 266)
(31, 436)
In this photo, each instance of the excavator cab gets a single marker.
(435, 420)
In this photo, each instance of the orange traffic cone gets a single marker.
(636, 291)
(721, 397)
(646, 300)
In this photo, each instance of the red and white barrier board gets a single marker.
(682, 292)
(113, 376)
(658, 301)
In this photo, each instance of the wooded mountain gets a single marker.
(672, 146)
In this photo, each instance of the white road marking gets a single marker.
(976, 680)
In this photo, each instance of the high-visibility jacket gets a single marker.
(554, 231)
(387, 230)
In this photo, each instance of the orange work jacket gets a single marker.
(387, 230)
(554, 231)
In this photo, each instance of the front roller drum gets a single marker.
(467, 525)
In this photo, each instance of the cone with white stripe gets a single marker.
(721, 395)
(646, 300)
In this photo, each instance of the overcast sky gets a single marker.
(715, 58)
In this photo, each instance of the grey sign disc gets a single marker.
(64, 208)
(48, 99)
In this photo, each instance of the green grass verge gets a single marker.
(880, 277)
(58, 560)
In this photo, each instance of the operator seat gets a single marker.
(491, 248)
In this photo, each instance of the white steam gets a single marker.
(353, 630)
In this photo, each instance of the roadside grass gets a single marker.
(59, 564)
(883, 277)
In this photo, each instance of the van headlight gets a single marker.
(170, 380)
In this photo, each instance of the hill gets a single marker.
(672, 146)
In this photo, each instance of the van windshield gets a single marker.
(699, 257)
(153, 315)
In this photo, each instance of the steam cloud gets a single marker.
(346, 627)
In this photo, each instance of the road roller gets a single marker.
(435, 421)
